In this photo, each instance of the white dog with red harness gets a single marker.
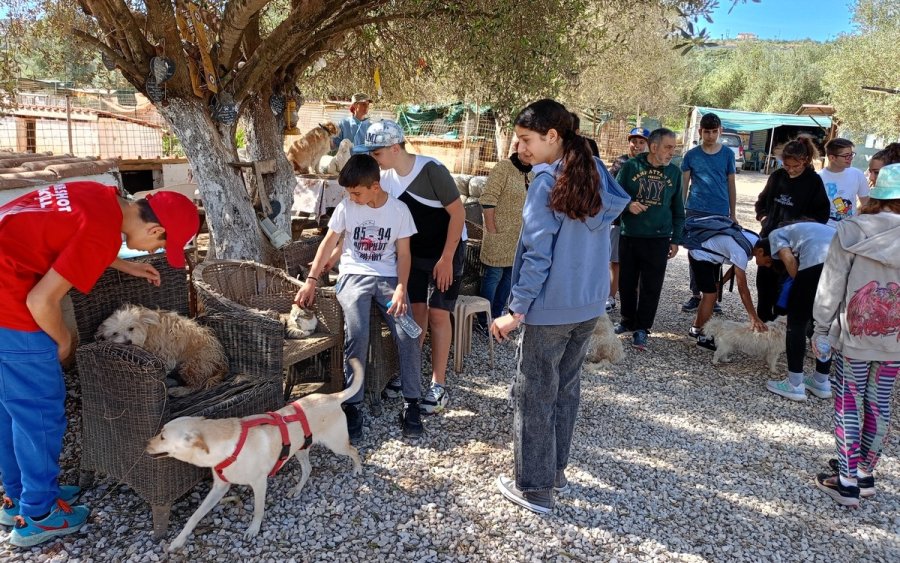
(249, 450)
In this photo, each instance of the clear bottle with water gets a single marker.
(406, 322)
(823, 346)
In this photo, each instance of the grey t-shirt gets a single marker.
(808, 241)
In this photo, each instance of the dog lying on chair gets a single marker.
(306, 151)
(246, 451)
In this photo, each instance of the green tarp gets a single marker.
(414, 118)
(747, 121)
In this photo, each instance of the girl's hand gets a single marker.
(502, 326)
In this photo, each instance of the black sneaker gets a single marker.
(831, 485)
(694, 332)
(707, 342)
(393, 389)
(639, 339)
(620, 329)
(690, 305)
(866, 484)
(354, 422)
(717, 309)
(411, 419)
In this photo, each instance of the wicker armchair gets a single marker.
(473, 270)
(123, 390)
(248, 288)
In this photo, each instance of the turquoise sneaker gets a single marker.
(61, 521)
(11, 505)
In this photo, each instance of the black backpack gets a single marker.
(698, 230)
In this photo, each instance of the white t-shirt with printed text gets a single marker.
(371, 235)
(843, 189)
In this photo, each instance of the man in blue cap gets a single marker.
(355, 125)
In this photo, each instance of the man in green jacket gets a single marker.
(652, 227)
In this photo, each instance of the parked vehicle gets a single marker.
(734, 142)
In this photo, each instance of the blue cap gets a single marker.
(639, 132)
(380, 134)
(887, 186)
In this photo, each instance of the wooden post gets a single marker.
(69, 121)
(769, 156)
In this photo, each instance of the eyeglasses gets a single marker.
(848, 155)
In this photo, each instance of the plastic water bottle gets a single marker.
(824, 348)
(408, 325)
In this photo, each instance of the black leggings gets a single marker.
(799, 318)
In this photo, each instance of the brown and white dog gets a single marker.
(209, 443)
(306, 151)
(180, 342)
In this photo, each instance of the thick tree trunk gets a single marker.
(229, 214)
(502, 135)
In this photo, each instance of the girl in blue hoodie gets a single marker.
(560, 283)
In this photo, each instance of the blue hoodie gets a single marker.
(561, 270)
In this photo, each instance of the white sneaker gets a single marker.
(820, 390)
(434, 400)
(786, 390)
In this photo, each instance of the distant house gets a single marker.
(41, 123)
(746, 36)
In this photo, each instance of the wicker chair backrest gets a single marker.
(115, 289)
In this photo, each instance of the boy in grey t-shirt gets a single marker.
(438, 255)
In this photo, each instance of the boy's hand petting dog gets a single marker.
(502, 326)
(146, 271)
(758, 326)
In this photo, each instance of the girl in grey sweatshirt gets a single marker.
(857, 310)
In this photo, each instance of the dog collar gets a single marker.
(277, 420)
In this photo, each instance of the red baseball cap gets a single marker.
(178, 216)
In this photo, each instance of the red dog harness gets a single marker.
(281, 422)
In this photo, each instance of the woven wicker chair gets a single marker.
(299, 254)
(123, 390)
(249, 288)
(473, 270)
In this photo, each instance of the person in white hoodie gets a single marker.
(857, 314)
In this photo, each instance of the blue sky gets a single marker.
(820, 20)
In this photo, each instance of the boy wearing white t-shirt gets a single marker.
(843, 183)
(375, 265)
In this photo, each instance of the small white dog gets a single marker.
(604, 346)
(304, 153)
(179, 341)
(334, 164)
(208, 443)
(731, 336)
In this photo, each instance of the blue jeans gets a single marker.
(356, 293)
(32, 419)
(495, 287)
(547, 393)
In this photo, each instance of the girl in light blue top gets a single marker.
(560, 285)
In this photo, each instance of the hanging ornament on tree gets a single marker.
(277, 103)
(155, 92)
(162, 69)
(223, 108)
(108, 63)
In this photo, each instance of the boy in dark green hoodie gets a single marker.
(652, 227)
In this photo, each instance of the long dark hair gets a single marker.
(802, 148)
(576, 190)
(889, 154)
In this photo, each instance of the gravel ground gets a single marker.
(674, 460)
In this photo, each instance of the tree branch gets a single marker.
(121, 62)
(238, 14)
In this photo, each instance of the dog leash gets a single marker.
(267, 419)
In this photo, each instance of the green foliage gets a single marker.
(868, 59)
(768, 76)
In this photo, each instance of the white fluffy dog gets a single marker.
(604, 346)
(731, 336)
(306, 151)
(208, 443)
(180, 342)
(334, 164)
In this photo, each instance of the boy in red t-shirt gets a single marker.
(51, 240)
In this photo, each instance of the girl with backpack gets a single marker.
(857, 313)
(560, 283)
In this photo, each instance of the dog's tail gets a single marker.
(358, 375)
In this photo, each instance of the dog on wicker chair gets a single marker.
(306, 151)
(182, 343)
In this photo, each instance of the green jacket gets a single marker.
(659, 188)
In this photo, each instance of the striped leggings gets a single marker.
(862, 411)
